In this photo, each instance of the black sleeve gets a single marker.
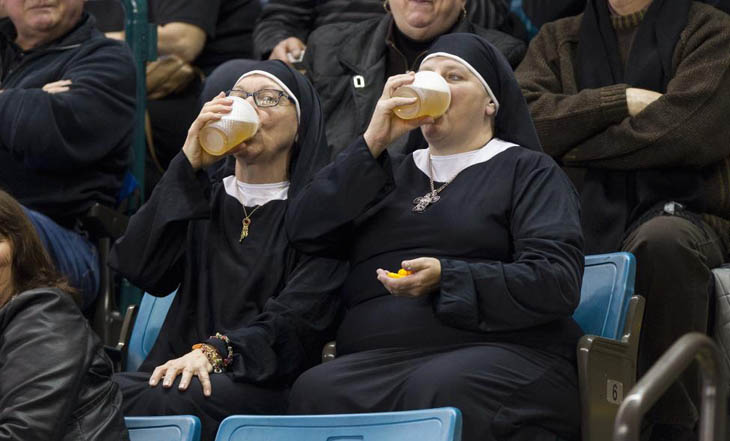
(151, 252)
(71, 130)
(201, 13)
(320, 217)
(281, 19)
(288, 336)
(44, 352)
(542, 282)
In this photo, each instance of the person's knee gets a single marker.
(444, 388)
(663, 238)
(312, 387)
(141, 399)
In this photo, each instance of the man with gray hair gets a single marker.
(66, 114)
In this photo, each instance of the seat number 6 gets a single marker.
(614, 392)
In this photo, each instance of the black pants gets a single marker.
(674, 256)
(504, 391)
(227, 398)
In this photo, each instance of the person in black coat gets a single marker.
(284, 25)
(55, 380)
(488, 225)
(250, 312)
(349, 64)
(67, 98)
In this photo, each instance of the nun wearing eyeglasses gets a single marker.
(250, 313)
(489, 228)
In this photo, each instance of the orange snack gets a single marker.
(401, 273)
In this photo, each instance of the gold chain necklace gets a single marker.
(421, 203)
(246, 222)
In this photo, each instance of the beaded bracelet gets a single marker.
(211, 353)
(229, 357)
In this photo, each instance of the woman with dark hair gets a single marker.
(250, 313)
(55, 381)
(488, 225)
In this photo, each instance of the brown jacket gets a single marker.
(686, 127)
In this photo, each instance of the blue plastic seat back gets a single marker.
(150, 317)
(608, 284)
(441, 424)
(163, 428)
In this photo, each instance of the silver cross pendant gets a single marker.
(424, 201)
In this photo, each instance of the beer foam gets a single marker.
(426, 79)
(241, 110)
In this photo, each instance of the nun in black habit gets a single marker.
(484, 322)
(257, 311)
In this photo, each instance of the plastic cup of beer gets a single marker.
(432, 93)
(218, 137)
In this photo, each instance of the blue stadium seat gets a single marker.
(442, 424)
(611, 316)
(163, 428)
(608, 284)
(150, 317)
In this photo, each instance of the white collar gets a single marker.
(251, 195)
(445, 168)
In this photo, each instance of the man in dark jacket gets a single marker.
(634, 96)
(66, 109)
(284, 25)
(349, 64)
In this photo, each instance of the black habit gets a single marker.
(496, 339)
(276, 305)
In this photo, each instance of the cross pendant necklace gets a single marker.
(421, 203)
(246, 222)
(424, 201)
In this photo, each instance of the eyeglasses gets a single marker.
(263, 97)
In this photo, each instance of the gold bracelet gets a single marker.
(211, 353)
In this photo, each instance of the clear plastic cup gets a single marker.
(218, 137)
(432, 93)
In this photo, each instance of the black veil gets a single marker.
(512, 122)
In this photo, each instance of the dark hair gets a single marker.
(31, 267)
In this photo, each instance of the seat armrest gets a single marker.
(102, 221)
(606, 372)
(125, 333)
(118, 353)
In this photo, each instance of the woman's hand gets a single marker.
(425, 279)
(213, 110)
(193, 363)
(385, 127)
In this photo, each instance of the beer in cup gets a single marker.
(218, 137)
(433, 96)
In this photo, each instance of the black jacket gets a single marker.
(339, 52)
(60, 153)
(55, 380)
(281, 19)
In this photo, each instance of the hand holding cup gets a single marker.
(385, 127)
(213, 110)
